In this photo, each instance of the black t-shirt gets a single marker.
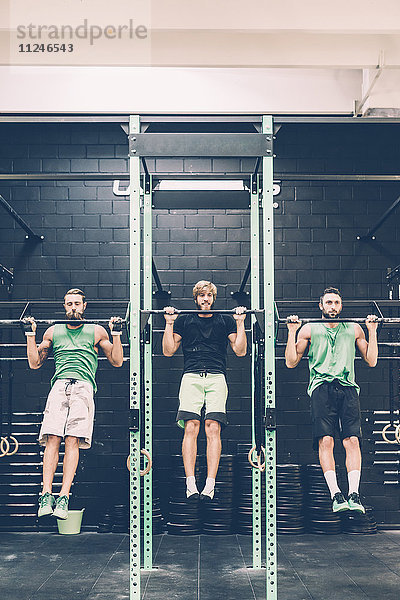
(204, 341)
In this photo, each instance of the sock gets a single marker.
(354, 481)
(191, 487)
(330, 477)
(209, 487)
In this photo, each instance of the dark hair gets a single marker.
(75, 291)
(330, 290)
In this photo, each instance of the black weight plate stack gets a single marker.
(243, 492)
(357, 523)
(105, 522)
(319, 515)
(158, 519)
(289, 499)
(184, 514)
(158, 523)
(120, 518)
(217, 514)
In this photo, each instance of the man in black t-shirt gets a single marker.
(204, 340)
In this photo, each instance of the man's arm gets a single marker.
(368, 350)
(112, 351)
(171, 341)
(294, 351)
(238, 340)
(36, 354)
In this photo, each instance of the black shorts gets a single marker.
(335, 408)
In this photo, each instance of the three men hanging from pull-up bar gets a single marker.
(69, 411)
(334, 393)
(204, 343)
(333, 390)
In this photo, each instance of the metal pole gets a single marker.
(134, 369)
(226, 311)
(383, 320)
(30, 234)
(255, 304)
(147, 367)
(73, 322)
(270, 441)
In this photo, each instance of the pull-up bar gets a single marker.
(231, 311)
(60, 322)
(387, 320)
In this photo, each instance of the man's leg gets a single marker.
(327, 462)
(70, 463)
(189, 455)
(353, 465)
(213, 434)
(50, 462)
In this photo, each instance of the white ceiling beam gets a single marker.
(272, 15)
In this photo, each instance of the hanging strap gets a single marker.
(1, 390)
(258, 400)
(10, 397)
(258, 387)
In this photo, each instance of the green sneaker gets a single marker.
(61, 509)
(339, 503)
(354, 503)
(46, 503)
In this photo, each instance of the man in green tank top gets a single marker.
(335, 405)
(69, 411)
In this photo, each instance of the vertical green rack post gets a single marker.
(255, 304)
(147, 368)
(270, 437)
(134, 367)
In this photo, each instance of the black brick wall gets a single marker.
(86, 245)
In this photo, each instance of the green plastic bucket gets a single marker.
(72, 524)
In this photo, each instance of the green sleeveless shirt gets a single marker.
(74, 353)
(331, 355)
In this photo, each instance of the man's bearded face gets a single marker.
(74, 307)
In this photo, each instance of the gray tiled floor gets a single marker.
(92, 566)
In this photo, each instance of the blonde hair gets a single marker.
(75, 291)
(202, 286)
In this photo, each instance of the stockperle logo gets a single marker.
(80, 32)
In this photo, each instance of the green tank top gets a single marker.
(75, 356)
(331, 355)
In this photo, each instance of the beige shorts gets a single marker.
(199, 389)
(69, 411)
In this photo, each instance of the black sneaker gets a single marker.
(207, 497)
(354, 503)
(192, 496)
(339, 503)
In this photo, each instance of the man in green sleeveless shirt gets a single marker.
(69, 409)
(334, 393)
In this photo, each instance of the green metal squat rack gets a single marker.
(146, 145)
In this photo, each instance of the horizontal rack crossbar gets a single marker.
(200, 144)
(388, 320)
(229, 311)
(59, 322)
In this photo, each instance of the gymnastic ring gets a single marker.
(7, 444)
(397, 433)
(13, 439)
(149, 463)
(260, 466)
(396, 440)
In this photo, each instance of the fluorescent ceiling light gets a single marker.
(200, 184)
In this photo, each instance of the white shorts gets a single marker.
(69, 411)
(199, 389)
